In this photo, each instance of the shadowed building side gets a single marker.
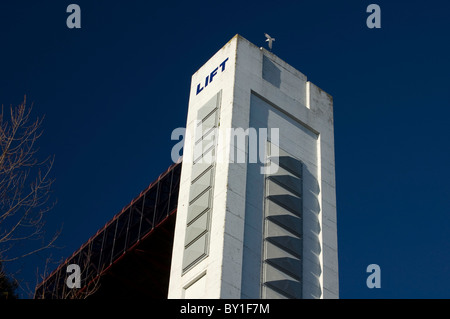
(130, 256)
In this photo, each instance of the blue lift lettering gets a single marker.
(209, 78)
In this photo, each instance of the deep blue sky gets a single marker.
(113, 91)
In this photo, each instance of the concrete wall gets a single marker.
(208, 271)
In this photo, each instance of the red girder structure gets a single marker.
(130, 256)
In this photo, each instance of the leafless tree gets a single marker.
(54, 286)
(25, 185)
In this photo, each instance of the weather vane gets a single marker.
(270, 40)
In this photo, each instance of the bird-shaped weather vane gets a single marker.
(270, 40)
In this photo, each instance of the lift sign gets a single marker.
(209, 78)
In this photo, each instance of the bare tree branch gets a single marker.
(25, 183)
(90, 277)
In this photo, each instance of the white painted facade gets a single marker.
(223, 226)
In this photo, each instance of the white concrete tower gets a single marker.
(256, 211)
